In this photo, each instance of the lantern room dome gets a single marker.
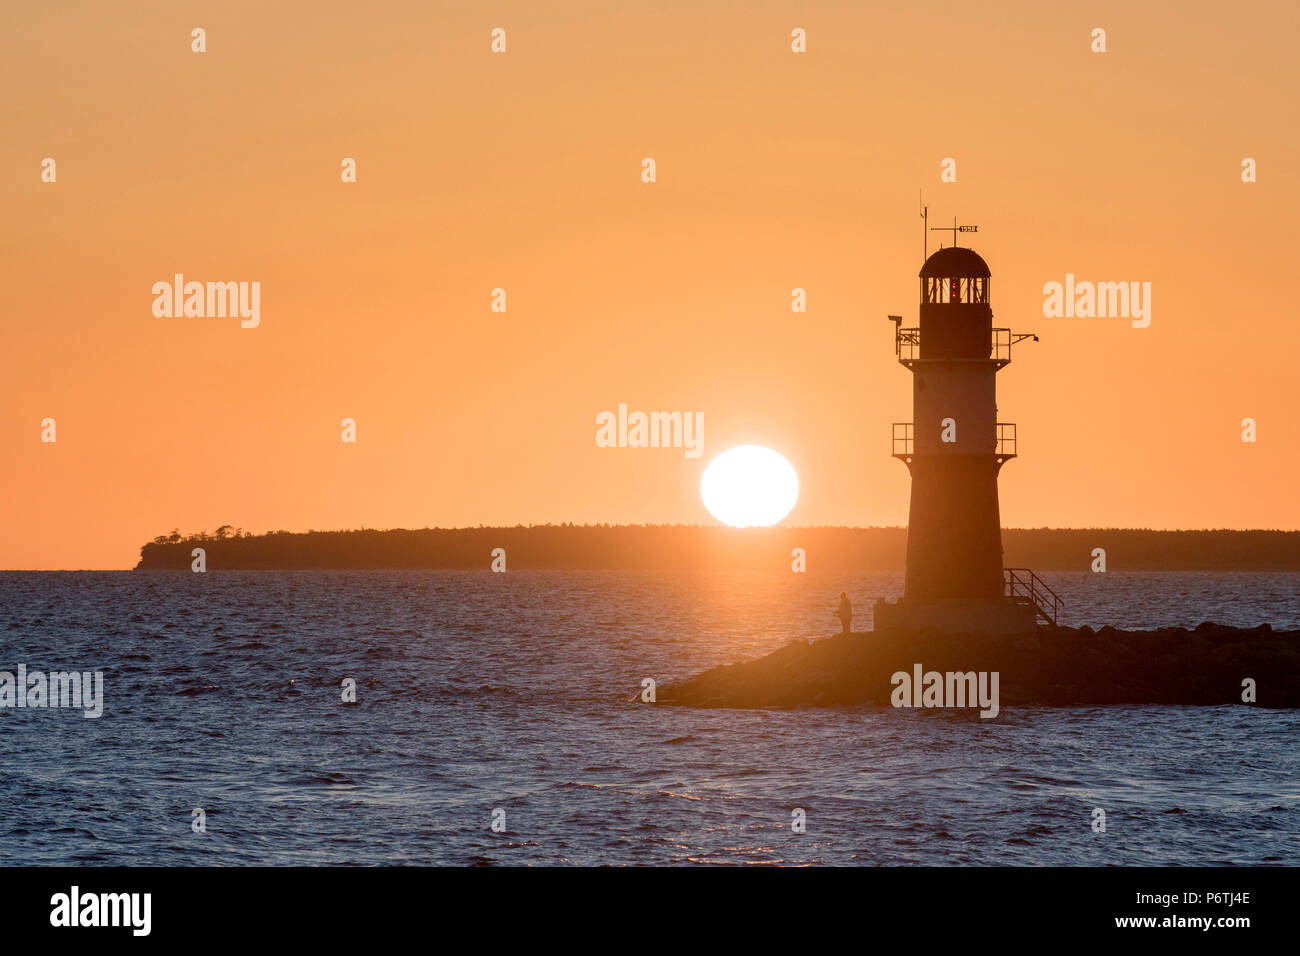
(955, 262)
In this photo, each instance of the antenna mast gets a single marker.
(925, 222)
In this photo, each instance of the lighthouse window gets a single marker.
(955, 289)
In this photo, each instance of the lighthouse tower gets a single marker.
(954, 448)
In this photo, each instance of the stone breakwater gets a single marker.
(1208, 665)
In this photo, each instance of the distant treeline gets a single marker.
(686, 547)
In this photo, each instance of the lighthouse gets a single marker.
(954, 448)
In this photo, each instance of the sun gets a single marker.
(749, 486)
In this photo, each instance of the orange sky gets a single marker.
(522, 171)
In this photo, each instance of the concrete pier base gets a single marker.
(957, 615)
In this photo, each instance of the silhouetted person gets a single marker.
(845, 613)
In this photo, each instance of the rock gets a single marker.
(1057, 667)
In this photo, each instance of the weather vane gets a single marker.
(954, 229)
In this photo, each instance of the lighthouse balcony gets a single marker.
(907, 345)
(1005, 448)
(904, 441)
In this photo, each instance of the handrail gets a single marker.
(1006, 442)
(904, 440)
(907, 343)
(1037, 590)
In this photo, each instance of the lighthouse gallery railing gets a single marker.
(907, 344)
(903, 443)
